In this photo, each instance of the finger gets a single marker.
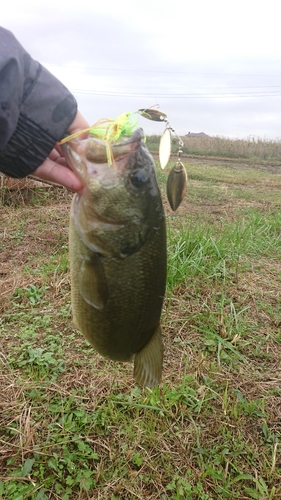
(79, 123)
(60, 174)
(54, 154)
(57, 157)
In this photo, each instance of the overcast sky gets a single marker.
(211, 66)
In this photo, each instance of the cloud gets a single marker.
(128, 55)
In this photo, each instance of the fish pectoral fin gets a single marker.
(92, 282)
(148, 361)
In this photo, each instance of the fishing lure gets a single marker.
(110, 131)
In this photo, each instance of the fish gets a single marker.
(117, 252)
(176, 185)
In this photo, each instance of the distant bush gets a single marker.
(264, 149)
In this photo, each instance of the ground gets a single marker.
(74, 425)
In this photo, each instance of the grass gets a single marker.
(74, 426)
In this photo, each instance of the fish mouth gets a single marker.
(93, 158)
(86, 226)
(96, 219)
(109, 160)
(101, 151)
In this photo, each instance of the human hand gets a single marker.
(55, 168)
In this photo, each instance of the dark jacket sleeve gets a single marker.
(36, 109)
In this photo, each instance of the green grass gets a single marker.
(198, 250)
(74, 426)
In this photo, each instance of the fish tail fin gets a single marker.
(148, 361)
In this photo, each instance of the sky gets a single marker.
(210, 66)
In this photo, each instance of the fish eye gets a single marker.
(139, 178)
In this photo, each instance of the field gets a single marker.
(74, 426)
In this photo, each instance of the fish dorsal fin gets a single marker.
(148, 361)
(92, 282)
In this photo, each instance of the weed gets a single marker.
(31, 292)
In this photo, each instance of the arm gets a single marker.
(36, 110)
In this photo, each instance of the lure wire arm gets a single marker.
(180, 151)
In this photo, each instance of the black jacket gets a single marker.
(36, 109)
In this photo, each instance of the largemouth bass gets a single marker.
(117, 250)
